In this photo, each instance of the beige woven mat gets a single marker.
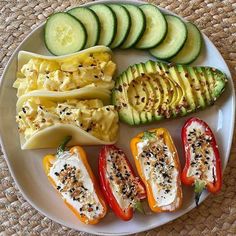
(217, 215)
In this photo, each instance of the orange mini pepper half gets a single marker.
(72, 177)
(157, 163)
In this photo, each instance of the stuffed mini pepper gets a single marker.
(70, 173)
(122, 189)
(158, 165)
(203, 165)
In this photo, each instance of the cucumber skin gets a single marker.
(128, 27)
(46, 26)
(99, 26)
(114, 17)
(145, 28)
(115, 24)
(167, 58)
(141, 33)
(201, 44)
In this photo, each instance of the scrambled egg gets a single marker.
(90, 115)
(94, 69)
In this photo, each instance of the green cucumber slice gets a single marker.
(64, 34)
(174, 40)
(156, 27)
(137, 28)
(107, 21)
(91, 23)
(123, 24)
(192, 46)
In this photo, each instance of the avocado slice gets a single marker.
(165, 88)
(136, 93)
(175, 92)
(135, 114)
(119, 97)
(192, 101)
(182, 105)
(154, 90)
(204, 84)
(196, 87)
(216, 80)
(154, 82)
(150, 95)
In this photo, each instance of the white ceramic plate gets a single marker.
(26, 166)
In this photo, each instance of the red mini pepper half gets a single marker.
(122, 189)
(203, 164)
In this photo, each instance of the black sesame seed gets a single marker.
(165, 175)
(88, 129)
(56, 173)
(58, 187)
(23, 109)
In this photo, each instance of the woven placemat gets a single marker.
(217, 215)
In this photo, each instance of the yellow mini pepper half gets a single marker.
(48, 161)
(157, 163)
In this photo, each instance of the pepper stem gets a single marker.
(199, 186)
(138, 205)
(62, 146)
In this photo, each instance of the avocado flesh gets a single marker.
(119, 97)
(180, 106)
(196, 87)
(149, 65)
(174, 92)
(155, 90)
(217, 82)
(150, 92)
(192, 105)
(134, 112)
(204, 84)
(165, 89)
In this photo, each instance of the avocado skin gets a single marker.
(153, 91)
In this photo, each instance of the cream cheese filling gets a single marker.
(159, 170)
(202, 158)
(75, 185)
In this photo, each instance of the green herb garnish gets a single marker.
(149, 135)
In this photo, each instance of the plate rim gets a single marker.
(188, 209)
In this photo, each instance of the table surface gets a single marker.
(217, 215)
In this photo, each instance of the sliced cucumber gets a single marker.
(174, 40)
(137, 28)
(192, 46)
(123, 24)
(107, 21)
(91, 23)
(64, 34)
(156, 27)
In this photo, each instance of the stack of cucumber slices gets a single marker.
(123, 26)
